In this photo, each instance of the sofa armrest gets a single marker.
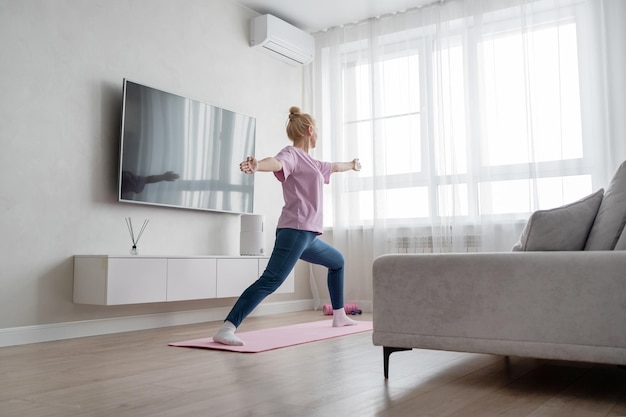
(574, 298)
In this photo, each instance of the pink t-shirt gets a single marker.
(303, 178)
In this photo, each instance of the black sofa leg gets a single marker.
(387, 351)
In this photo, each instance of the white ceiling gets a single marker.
(315, 15)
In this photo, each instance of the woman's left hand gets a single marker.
(249, 166)
(356, 164)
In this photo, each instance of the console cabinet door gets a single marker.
(234, 275)
(191, 279)
(131, 281)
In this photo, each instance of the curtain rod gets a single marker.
(421, 6)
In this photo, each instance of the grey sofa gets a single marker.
(560, 294)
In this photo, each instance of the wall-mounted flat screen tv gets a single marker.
(180, 152)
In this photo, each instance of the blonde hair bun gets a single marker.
(293, 111)
(298, 123)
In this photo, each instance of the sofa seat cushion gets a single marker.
(563, 228)
(611, 217)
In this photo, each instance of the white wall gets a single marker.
(61, 69)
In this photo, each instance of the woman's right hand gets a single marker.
(249, 166)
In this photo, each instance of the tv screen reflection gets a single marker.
(180, 152)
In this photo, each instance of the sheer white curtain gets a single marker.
(467, 116)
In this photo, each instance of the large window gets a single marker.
(485, 123)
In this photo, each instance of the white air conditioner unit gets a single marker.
(282, 40)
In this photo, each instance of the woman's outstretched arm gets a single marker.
(252, 165)
(347, 166)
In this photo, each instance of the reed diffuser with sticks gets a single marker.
(129, 224)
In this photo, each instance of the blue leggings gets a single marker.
(291, 245)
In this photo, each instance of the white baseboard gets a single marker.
(14, 336)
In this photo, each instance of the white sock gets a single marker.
(340, 318)
(226, 335)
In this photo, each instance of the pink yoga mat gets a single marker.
(279, 337)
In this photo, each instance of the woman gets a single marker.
(300, 223)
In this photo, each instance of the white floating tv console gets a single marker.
(134, 279)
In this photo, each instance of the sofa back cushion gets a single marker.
(621, 242)
(563, 228)
(609, 222)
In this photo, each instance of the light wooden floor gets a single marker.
(137, 374)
